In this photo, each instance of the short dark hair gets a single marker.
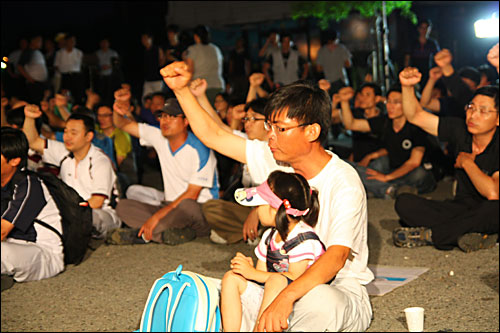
(489, 72)
(396, 87)
(236, 99)
(14, 144)
(490, 91)
(202, 32)
(257, 105)
(302, 101)
(16, 117)
(158, 93)
(470, 73)
(88, 117)
(328, 35)
(173, 27)
(376, 88)
(424, 20)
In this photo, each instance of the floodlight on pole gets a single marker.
(487, 28)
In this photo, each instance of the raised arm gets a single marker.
(426, 100)
(493, 56)
(351, 123)
(255, 89)
(31, 112)
(177, 77)
(412, 109)
(122, 115)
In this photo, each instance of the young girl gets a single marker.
(290, 207)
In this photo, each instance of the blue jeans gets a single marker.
(420, 178)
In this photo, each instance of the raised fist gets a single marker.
(493, 56)
(410, 76)
(443, 58)
(324, 84)
(176, 75)
(198, 87)
(32, 111)
(435, 73)
(122, 95)
(256, 79)
(345, 94)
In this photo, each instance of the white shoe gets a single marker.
(216, 238)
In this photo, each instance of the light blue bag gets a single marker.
(182, 302)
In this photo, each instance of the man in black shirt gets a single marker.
(402, 149)
(470, 220)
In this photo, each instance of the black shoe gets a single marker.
(7, 282)
(124, 236)
(476, 241)
(176, 236)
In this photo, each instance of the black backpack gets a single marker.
(76, 217)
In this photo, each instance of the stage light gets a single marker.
(4, 65)
(487, 28)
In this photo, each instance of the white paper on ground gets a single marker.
(388, 278)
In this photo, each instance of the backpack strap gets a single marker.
(48, 226)
(292, 243)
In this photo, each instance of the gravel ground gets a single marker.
(108, 291)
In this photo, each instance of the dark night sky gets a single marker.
(123, 22)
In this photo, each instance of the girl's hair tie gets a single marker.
(287, 203)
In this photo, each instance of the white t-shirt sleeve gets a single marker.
(103, 177)
(149, 135)
(55, 152)
(308, 250)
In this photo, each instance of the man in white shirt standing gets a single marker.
(298, 119)
(32, 67)
(83, 166)
(69, 63)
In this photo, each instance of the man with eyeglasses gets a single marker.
(299, 117)
(470, 220)
(400, 160)
(189, 178)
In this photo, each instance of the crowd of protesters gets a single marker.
(209, 132)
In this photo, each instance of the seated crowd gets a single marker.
(207, 144)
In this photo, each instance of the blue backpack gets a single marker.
(182, 302)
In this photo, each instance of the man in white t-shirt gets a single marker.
(68, 62)
(189, 178)
(298, 120)
(83, 166)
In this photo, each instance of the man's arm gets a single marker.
(96, 201)
(122, 117)
(23, 72)
(265, 69)
(350, 123)
(412, 163)
(458, 89)
(484, 184)
(6, 228)
(31, 112)
(426, 100)
(192, 192)
(492, 56)
(328, 265)
(373, 156)
(412, 109)
(255, 89)
(177, 77)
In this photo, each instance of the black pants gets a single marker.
(448, 219)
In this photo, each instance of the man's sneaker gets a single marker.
(216, 238)
(476, 241)
(7, 281)
(176, 236)
(124, 236)
(412, 237)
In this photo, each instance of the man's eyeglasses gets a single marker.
(167, 116)
(277, 129)
(251, 119)
(483, 110)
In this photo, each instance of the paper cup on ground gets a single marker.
(415, 319)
